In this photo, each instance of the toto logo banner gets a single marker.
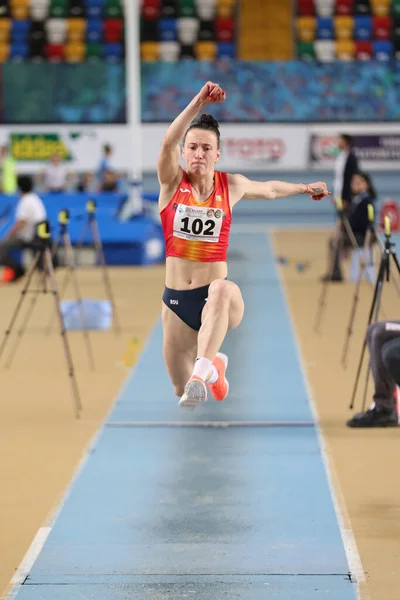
(371, 149)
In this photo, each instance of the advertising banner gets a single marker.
(375, 150)
(244, 148)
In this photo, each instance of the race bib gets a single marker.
(198, 223)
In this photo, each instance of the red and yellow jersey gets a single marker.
(196, 231)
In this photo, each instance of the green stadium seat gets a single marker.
(58, 9)
(305, 50)
(93, 51)
(113, 9)
(187, 8)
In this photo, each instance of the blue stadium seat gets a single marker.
(94, 8)
(19, 51)
(94, 30)
(112, 52)
(167, 30)
(20, 31)
(382, 50)
(362, 28)
(325, 29)
(226, 49)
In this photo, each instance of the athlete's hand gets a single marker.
(211, 93)
(316, 190)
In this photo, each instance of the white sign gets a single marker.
(80, 146)
(252, 147)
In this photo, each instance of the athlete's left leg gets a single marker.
(224, 311)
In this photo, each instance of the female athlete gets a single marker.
(200, 305)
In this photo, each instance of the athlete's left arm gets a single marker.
(242, 187)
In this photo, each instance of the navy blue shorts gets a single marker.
(187, 304)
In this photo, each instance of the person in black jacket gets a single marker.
(362, 194)
(346, 165)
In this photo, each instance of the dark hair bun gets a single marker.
(209, 121)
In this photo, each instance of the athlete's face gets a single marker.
(200, 151)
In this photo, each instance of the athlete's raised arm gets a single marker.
(168, 168)
(242, 187)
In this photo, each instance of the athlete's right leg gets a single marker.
(179, 349)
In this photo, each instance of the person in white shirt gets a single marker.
(29, 212)
(56, 175)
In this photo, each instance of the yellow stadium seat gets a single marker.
(5, 29)
(306, 27)
(380, 8)
(344, 26)
(20, 10)
(74, 51)
(149, 51)
(225, 11)
(345, 50)
(205, 50)
(76, 29)
(4, 52)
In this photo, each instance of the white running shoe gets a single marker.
(195, 392)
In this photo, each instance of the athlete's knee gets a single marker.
(219, 292)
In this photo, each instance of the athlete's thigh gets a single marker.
(236, 303)
(179, 346)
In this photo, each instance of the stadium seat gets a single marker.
(206, 31)
(93, 51)
(113, 52)
(206, 9)
(306, 8)
(149, 31)
(382, 50)
(187, 30)
(94, 30)
(306, 27)
(56, 30)
(224, 29)
(381, 27)
(167, 30)
(5, 30)
(344, 26)
(39, 12)
(362, 7)
(395, 8)
(324, 50)
(151, 9)
(20, 10)
(225, 11)
(149, 51)
(344, 7)
(362, 28)
(345, 50)
(305, 51)
(76, 8)
(396, 49)
(112, 9)
(325, 29)
(363, 50)
(113, 30)
(226, 50)
(380, 8)
(75, 52)
(19, 51)
(94, 8)
(324, 8)
(187, 8)
(76, 30)
(169, 51)
(205, 50)
(20, 31)
(58, 9)
(169, 9)
(54, 52)
(4, 52)
(187, 52)
(37, 48)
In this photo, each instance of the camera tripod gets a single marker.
(92, 225)
(342, 223)
(43, 257)
(63, 237)
(387, 256)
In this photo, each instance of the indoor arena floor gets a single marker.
(266, 495)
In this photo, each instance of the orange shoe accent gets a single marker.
(220, 388)
(8, 274)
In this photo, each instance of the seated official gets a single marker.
(363, 194)
(30, 211)
(383, 339)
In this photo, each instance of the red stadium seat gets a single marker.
(344, 7)
(113, 30)
(381, 27)
(306, 8)
(151, 9)
(363, 50)
(54, 52)
(224, 29)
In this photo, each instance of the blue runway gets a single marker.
(229, 501)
